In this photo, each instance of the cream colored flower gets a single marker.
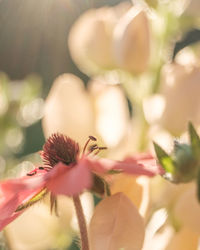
(132, 41)
(38, 229)
(68, 109)
(192, 8)
(90, 38)
(71, 110)
(187, 210)
(111, 37)
(180, 87)
(178, 101)
(183, 240)
(135, 188)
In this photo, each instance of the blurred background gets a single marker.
(143, 63)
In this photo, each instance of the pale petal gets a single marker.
(116, 224)
(153, 107)
(187, 210)
(184, 240)
(38, 229)
(111, 111)
(132, 40)
(135, 188)
(8, 220)
(69, 181)
(180, 87)
(68, 109)
(89, 49)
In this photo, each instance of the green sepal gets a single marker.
(198, 185)
(100, 187)
(164, 159)
(33, 200)
(194, 140)
(113, 171)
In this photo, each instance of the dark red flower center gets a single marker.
(60, 148)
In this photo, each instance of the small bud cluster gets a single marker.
(183, 164)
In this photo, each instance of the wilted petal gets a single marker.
(116, 224)
(68, 181)
(68, 109)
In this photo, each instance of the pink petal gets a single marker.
(139, 165)
(147, 162)
(69, 181)
(15, 192)
(9, 219)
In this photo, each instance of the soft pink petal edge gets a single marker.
(70, 181)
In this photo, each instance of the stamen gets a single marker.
(99, 149)
(93, 147)
(90, 138)
(103, 148)
(32, 173)
(45, 168)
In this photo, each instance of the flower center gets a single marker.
(59, 148)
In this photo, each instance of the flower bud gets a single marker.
(90, 39)
(68, 109)
(185, 163)
(132, 41)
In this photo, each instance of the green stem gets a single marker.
(81, 223)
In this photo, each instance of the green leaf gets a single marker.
(194, 140)
(164, 159)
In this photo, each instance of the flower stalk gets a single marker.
(81, 223)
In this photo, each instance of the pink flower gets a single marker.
(65, 172)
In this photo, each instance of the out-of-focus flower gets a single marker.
(90, 39)
(192, 8)
(68, 109)
(183, 240)
(132, 41)
(110, 111)
(135, 188)
(179, 98)
(111, 37)
(187, 210)
(37, 229)
(71, 110)
(66, 172)
(113, 223)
